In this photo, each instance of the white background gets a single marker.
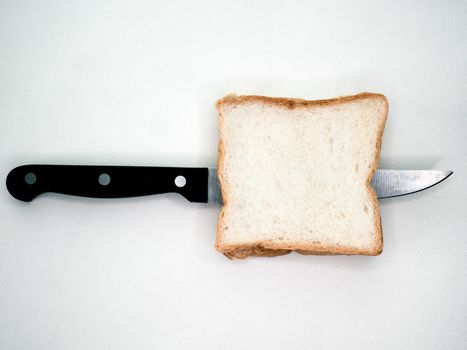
(134, 83)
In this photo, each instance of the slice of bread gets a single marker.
(295, 175)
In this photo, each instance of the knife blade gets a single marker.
(396, 183)
(386, 183)
(196, 184)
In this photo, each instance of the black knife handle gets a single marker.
(28, 181)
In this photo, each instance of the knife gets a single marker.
(195, 184)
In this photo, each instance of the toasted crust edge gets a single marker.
(266, 248)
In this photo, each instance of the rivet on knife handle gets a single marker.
(28, 181)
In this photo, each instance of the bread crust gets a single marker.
(272, 248)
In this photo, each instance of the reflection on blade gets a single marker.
(393, 183)
(214, 188)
